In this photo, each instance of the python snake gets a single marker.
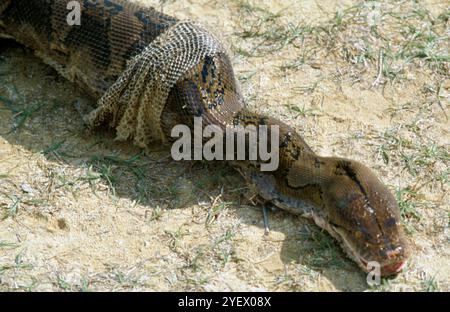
(149, 72)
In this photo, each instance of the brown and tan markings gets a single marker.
(150, 71)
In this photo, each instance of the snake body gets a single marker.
(102, 56)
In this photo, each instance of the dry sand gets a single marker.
(89, 213)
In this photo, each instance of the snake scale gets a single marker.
(149, 72)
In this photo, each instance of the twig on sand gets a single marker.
(377, 81)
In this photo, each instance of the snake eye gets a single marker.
(390, 222)
(347, 201)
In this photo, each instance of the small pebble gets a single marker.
(26, 188)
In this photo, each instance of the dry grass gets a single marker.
(367, 81)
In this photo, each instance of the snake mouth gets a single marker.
(392, 269)
(387, 269)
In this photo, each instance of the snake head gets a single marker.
(363, 215)
(345, 198)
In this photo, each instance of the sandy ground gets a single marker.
(88, 213)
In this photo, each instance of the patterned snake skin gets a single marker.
(149, 72)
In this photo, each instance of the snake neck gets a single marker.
(185, 104)
(300, 176)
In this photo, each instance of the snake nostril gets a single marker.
(393, 253)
